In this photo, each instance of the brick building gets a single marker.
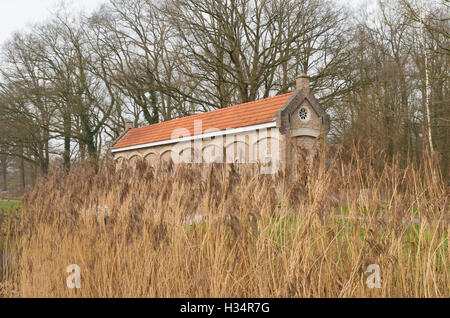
(259, 131)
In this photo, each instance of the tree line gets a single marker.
(69, 86)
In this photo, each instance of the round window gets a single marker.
(304, 114)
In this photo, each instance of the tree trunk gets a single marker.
(67, 130)
(22, 173)
(91, 147)
(34, 173)
(4, 169)
(46, 159)
(82, 149)
(427, 84)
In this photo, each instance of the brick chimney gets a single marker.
(129, 125)
(303, 83)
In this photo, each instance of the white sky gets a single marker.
(16, 15)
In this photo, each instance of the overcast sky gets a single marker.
(15, 15)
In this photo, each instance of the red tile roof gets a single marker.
(242, 115)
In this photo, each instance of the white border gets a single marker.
(207, 135)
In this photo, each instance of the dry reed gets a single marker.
(131, 231)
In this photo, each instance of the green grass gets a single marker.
(9, 206)
(281, 229)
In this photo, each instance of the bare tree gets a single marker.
(239, 51)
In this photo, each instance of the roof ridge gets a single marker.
(214, 110)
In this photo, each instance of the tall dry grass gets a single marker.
(130, 232)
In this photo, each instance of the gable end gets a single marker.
(283, 116)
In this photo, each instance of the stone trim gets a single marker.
(304, 132)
